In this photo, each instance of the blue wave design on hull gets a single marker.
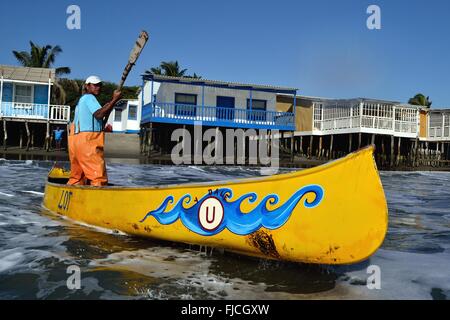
(234, 219)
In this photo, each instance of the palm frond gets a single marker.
(23, 58)
(62, 71)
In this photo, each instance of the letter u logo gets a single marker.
(213, 214)
(210, 213)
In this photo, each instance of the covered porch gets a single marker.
(189, 101)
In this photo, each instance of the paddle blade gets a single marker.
(135, 53)
(138, 47)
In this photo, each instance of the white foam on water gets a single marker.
(6, 194)
(187, 273)
(10, 258)
(404, 275)
(33, 192)
(96, 228)
(157, 262)
(269, 171)
(196, 168)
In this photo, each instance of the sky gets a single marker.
(321, 47)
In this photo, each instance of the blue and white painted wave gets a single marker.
(234, 219)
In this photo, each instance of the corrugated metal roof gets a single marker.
(216, 83)
(27, 74)
(440, 110)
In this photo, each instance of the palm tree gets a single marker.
(172, 69)
(156, 70)
(41, 57)
(420, 100)
(44, 57)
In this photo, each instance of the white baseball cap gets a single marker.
(93, 80)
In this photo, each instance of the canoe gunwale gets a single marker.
(282, 176)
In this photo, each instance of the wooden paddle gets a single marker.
(135, 53)
(137, 49)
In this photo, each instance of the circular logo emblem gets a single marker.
(210, 213)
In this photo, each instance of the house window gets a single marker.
(23, 93)
(257, 104)
(132, 112)
(185, 104)
(258, 110)
(117, 115)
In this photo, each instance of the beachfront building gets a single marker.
(438, 125)
(178, 102)
(126, 116)
(330, 128)
(25, 106)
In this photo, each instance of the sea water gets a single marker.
(37, 247)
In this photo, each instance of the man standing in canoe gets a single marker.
(87, 137)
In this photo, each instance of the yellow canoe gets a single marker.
(332, 214)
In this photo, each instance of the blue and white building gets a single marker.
(25, 96)
(187, 101)
(126, 116)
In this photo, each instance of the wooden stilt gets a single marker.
(20, 139)
(320, 148)
(391, 158)
(373, 139)
(292, 146)
(150, 139)
(5, 134)
(398, 151)
(301, 145)
(359, 140)
(310, 151)
(47, 137)
(350, 137)
(331, 146)
(416, 153)
(28, 136)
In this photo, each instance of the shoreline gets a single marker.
(15, 153)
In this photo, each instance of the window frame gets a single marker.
(115, 114)
(257, 100)
(180, 108)
(177, 94)
(136, 112)
(15, 92)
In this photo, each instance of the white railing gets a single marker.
(35, 111)
(59, 113)
(439, 132)
(380, 117)
(439, 125)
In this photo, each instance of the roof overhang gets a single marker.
(218, 84)
(27, 75)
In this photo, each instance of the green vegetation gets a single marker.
(44, 57)
(420, 100)
(172, 69)
(41, 57)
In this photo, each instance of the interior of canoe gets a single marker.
(59, 175)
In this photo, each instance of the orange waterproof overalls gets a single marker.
(86, 158)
